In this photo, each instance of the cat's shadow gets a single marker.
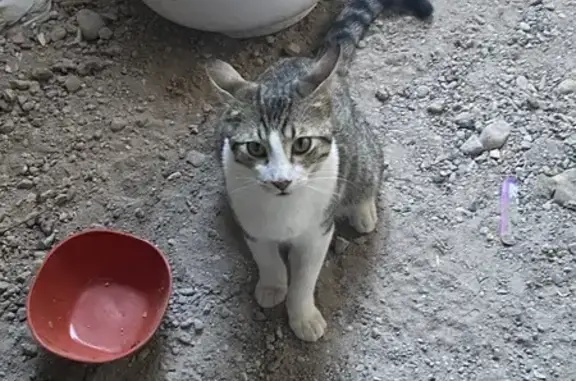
(342, 280)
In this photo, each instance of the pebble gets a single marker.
(89, 23)
(118, 124)
(464, 119)
(42, 74)
(292, 49)
(422, 91)
(382, 95)
(198, 326)
(436, 107)
(494, 135)
(524, 27)
(340, 245)
(72, 83)
(105, 33)
(57, 33)
(25, 184)
(564, 186)
(473, 146)
(567, 86)
(196, 158)
(7, 126)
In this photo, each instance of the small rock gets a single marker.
(29, 350)
(495, 154)
(72, 83)
(187, 291)
(524, 27)
(382, 95)
(7, 126)
(118, 124)
(567, 86)
(25, 184)
(465, 120)
(196, 158)
(185, 339)
(105, 33)
(422, 91)
(564, 188)
(17, 84)
(340, 245)
(18, 38)
(89, 23)
(42, 74)
(473, 146)
(292, 49)
(522, 82)
(198, 326)
(494, 135)
(61, 199)
(174, 176)
(436, 107)
(375, 333)
(58, 33)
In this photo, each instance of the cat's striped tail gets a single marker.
(357, 16)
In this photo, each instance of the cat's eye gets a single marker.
(256, 149)
(301, 146)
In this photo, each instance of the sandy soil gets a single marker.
(117, 132)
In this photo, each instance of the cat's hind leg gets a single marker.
(272, 284)
(363, 215)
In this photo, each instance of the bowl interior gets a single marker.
(99, 296)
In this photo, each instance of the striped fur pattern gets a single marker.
(357, 16)
(296, 155)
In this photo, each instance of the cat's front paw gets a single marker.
(308, 325)
(269, 296)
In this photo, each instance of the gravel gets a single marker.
(106, 119)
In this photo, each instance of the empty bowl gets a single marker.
(100, 295)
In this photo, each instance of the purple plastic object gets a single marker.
(508, 210)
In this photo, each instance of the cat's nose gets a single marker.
(282, 185)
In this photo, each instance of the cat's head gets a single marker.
(281, 130)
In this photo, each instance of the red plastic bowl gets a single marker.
(99, 296)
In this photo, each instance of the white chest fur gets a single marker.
(266, 215)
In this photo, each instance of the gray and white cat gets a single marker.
(296, 156)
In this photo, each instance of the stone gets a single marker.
(105, 33)
(41, 74)
(196, 158)
(564, 189)
(118, 124)
(436, 107)
(7, 126)
(57, 33)
(473, 146)
(464, 120)
(495, 135)
(422, 91)
(72, 83)
(567, 86)
(89, 23)
(292, 49)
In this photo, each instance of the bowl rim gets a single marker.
(132, 350)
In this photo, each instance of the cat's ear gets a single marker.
(320, 79)
(228, 82)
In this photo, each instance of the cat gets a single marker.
(296, 155)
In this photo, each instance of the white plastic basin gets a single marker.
(235, 18)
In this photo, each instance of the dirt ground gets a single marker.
(117, 131)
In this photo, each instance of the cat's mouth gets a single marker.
(283, 193)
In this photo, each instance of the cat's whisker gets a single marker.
(243, 187)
